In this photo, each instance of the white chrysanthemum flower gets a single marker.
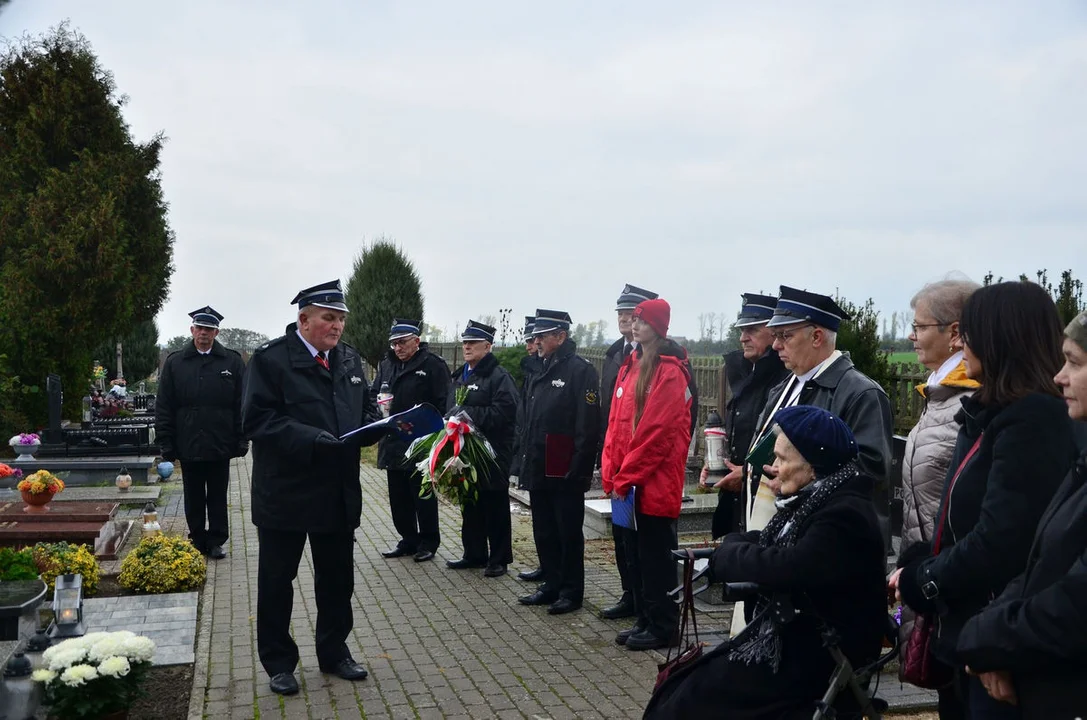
(43, 676)
(66, 658)
(122, 635)
(137, 648)
(78, 675)
(104, 648)
(114, 666)
(67, 645)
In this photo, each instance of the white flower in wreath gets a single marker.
(78, 675)
(43, 675)
(115, 666)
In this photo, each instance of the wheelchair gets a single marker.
(844, 679)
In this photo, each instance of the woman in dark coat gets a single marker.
(1014, 447)
(1030, 646)
(824, 549)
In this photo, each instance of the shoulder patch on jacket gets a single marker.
(591, 397)
(421, 372)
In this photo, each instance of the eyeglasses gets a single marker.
(917, 327)
(788, 334)
(399, 342)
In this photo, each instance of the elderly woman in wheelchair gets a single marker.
(818, 615)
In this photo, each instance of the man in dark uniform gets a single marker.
(488, 396)
(303, 391)
(198, 420)
(530, 365)
(561, 436)
(805, 329)
(751, 373)
(413, 375)
(613, 360)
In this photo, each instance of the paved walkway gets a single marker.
(439, 643)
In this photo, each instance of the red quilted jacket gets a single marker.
(653, 456)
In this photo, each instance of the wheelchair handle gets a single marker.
(737, 591)
(699, 553)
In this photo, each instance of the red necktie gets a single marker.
(321, 360)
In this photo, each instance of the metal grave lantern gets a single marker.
(151, 520)
(22, 696)
(716, 445)
(124, 480)
(68, 607)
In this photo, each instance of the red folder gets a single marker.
(558, 454)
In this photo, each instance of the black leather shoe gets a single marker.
(531, 575)
(424, 555)
(645, 640)
(284, 684)
(464, 564)
(494, 571)
(216, 552)
(622, 609)
(563, 606)
(347, 669)
(624, 635)
(538, 598)
(397, 552)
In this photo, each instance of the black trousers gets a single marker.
(653, 573)
(557, 519)
(619, 534)
(205, 485)
(414, 518)
(333, 583)
(487, 522)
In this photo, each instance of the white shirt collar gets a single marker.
(312, 350)
(944, 370)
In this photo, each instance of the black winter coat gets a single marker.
(750, 386)
(861, 403)
(836, 570)
(1037, 628)
(531, 365)
(289, 400)
(491, 403)
(424, 378)
(198, 411)
(561, 430)
(993, 510)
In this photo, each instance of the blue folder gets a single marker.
(622, 511)
(423, 419)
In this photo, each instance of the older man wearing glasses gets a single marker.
(805, 331)
(413, 375)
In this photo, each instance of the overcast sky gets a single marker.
(542, 155)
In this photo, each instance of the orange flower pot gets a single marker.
(36, 502)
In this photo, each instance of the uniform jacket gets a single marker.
(424, 378)
(1037, 629)
(859, 402)
(530, 365)
(289, 399)
(561, 423)
(750, 385)
(652, 456)
(491, 402)
(929, 447)
(198, 409)
(993, 509)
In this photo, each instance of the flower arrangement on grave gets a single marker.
(7, 471)
(98, 373)
(61, 558)
(95, 675)
(451, 459)
(162, 564)
(25, 439)
(17, 564)
(41, 482)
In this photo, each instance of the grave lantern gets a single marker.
(68, 607)
(22, 695)
(124, 480)
(151, 520)
(716, 445)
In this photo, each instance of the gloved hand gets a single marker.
(326, 441)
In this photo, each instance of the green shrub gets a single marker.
(17, 564)
(60, 558)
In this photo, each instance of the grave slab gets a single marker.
(78, 523)
(169, 620)
(82, 471)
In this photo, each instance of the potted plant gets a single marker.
(97, 676)
(7, 471)
(25, 445)
(38, 489)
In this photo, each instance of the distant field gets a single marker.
(903, 357)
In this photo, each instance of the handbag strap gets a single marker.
(947, 498)
(688, 607)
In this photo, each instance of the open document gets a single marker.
(423, 419)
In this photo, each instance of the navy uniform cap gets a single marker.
(477, 331)
(756, 310)
(549, 320)
(632, 296)
(799, 306)
(206, 317)
(530, 322)
(327, 295)
(403, 328)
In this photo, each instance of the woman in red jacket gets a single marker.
(645, 451)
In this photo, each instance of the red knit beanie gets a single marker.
(656, 314)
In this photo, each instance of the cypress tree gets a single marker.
(383, 285)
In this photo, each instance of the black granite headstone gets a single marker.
(55, 400)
